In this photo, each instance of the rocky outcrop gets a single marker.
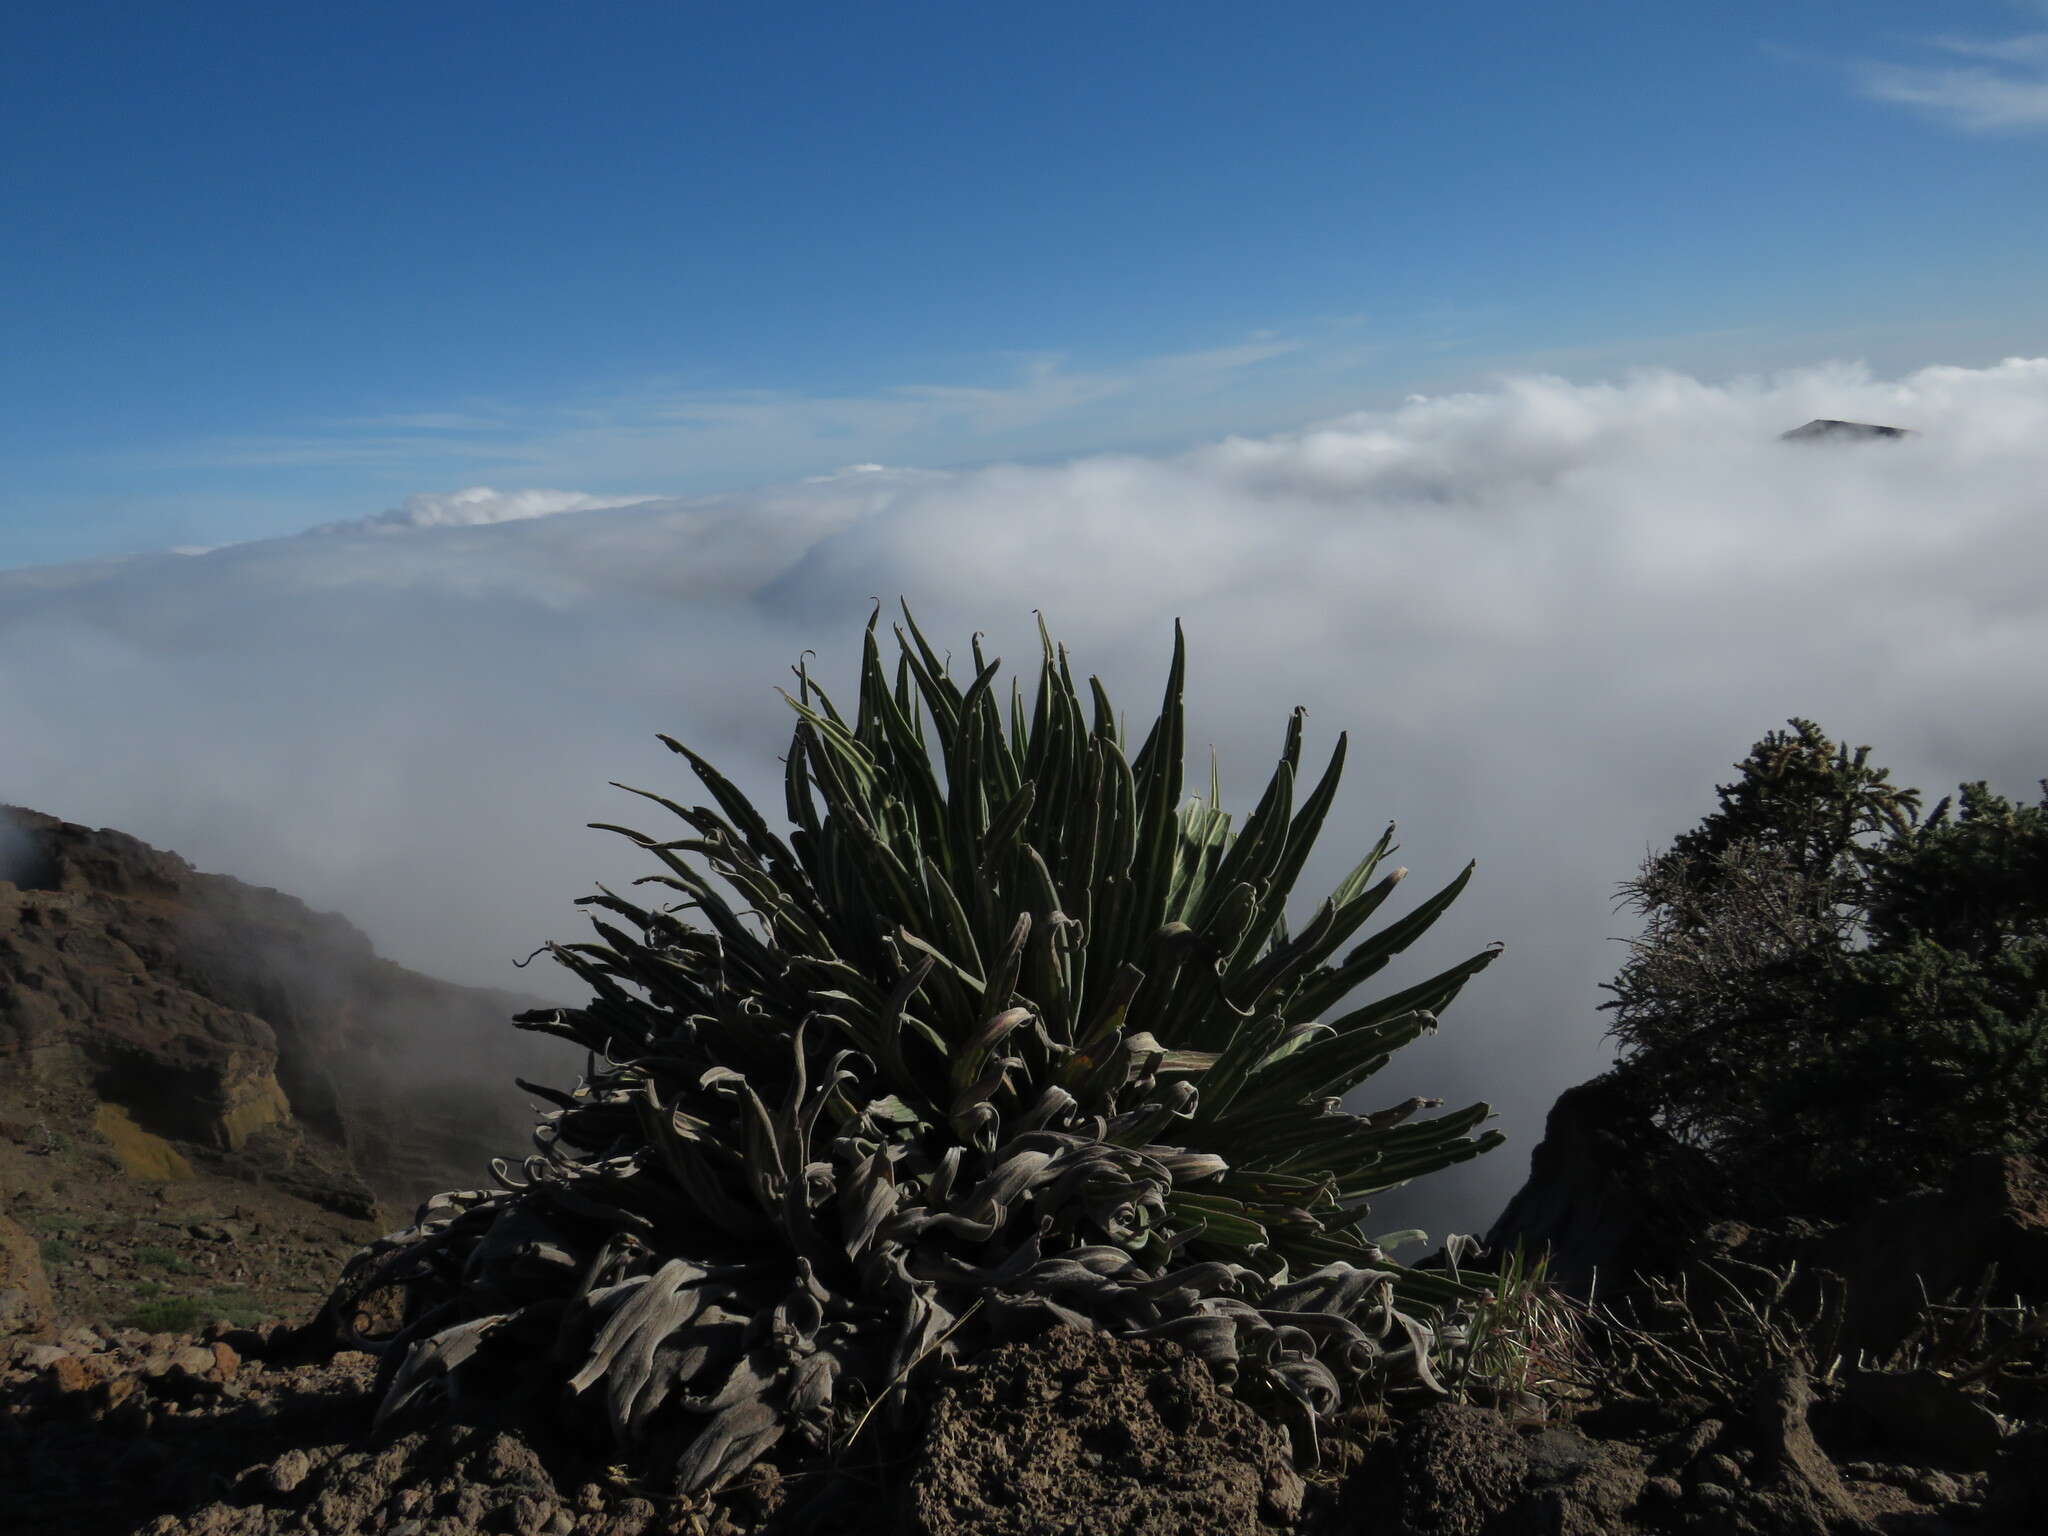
(1459, 1470)
(183, 1018)
(1988, 1221)
(1610, 1195)
(80, 1005)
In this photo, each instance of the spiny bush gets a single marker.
(1834, 997)
(1002, 1035)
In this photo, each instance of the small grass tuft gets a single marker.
(1522, 1347)
(238, 1307)
(149, 1256)
(166, 1314)
(157, 1313)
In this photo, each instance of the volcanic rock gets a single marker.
(1081, 1431)
(1459, 1470)
(1610, 1194)
(1989, 1218)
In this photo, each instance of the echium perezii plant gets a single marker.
(1001, 1034)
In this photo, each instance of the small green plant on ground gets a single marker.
(58, 1221)
(1522, 1345)
(150, 1256)
(55, 1250)
(238, 1307)
(164, 1314)
(1003, 1034)
(155, 1312)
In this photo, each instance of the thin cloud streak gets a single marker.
(1550, 615)
(660, 426)
(2007, 92)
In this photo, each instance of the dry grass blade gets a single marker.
(1674, 1343)
(902, 1376)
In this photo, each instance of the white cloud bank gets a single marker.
(1551, 615)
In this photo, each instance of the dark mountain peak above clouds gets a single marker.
(1824, 429)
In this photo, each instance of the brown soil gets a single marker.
(1079, 1432)
(111, 1432)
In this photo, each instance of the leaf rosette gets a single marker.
(1002, 1034)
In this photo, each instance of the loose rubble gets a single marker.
(237, 1432)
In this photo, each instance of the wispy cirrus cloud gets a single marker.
(330, 449)
(1029, 405)
(1980, 85)
(426, 421)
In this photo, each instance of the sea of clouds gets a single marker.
(1550, 615)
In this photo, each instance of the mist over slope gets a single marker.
(1550, 615)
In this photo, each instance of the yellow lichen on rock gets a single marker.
(143, 1154)
(261, 1104)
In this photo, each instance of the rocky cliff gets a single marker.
(1611, 1198)
(1610, 1194)
(195, 1025)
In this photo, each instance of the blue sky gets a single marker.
(270, 266)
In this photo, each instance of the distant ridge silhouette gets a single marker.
(1824, 429)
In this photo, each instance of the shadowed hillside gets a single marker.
(183, 1026)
